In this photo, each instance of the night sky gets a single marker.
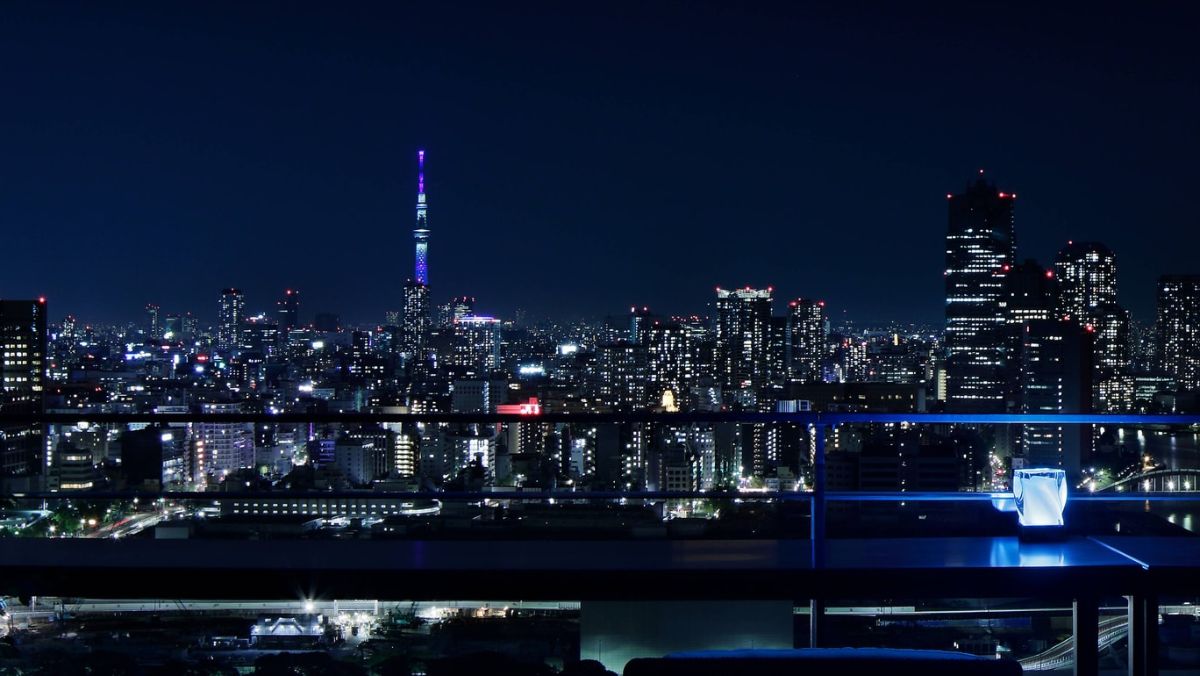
(582, 157)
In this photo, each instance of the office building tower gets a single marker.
(807, 336)
(671, 359)
(22, 385)
(1111, 360)
(743, 337)
(980, 246)
(1087, 293)
(259, 335)
(477, 343)
(230, 314)
(1056, 377)
(853, 364)
(414, 327)
(639, 319)
(1178, 326)
(455, 308)
(618, 376)
(288, 311)
(191, 326)
(1087, 280)
(421, 232)
(1029, 295)
(153, 322)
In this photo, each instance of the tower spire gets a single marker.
(421, 232)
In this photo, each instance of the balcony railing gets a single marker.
(796, 562)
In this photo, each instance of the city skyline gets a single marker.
(419, 260)
(574, 201)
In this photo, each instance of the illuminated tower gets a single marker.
(806, 337)
(230, 314)
(22, 381)
(1087, 280)
(980, 246)
(1179, 329)
(421, 232)
(743, 337)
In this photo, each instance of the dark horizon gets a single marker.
(580, 160)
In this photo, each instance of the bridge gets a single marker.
(1158, 481)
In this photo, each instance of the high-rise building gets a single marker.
(415, 321)
(743, 337)
(671, 358)
(639, 319)
(153, 323)
(980, 247)
(1087, 293)
(22, 383)
(807, 336)
(421, 232)
(288, 311)
(220, 447)
(1087, 280)
(1179, 329)
(454, 309)
(229, 318)
(1112, 360)
(477, 343)
(1029, 295)
(1056, 377)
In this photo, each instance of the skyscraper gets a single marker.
(1087, 279)
(288, 310)
(807, 335)
(1087, 293)
(415, 321)
(980, 247)
(671, 358)
(1029, 295)
(1179, 329)
(22, 381)
(1056, 378)
(456, 308)
(743, 333)
(153, 325)
(477, 343)
(229, 318)
(421, 232)
(639, 319)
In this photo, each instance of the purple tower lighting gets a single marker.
(421, 232)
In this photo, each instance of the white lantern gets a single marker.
(1041, 497)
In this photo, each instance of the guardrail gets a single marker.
(1139, 627)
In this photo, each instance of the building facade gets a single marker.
(980, 247)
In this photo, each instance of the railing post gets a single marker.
(1085, 626)
(1143, 635)
(816, 607)
(816, 618)
(817, 517)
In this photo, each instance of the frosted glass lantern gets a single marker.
(1041, 496)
